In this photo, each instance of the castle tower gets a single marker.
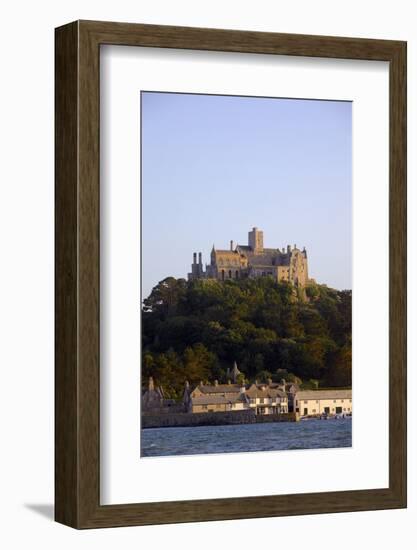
(256, 240)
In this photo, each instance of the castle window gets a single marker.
(230, 274)
(222, 274)
(237, 274)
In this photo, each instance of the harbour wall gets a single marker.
(181, 420)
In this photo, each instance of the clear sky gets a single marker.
(213, 167)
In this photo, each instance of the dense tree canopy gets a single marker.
(195, 330)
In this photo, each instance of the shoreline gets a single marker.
(189, 420)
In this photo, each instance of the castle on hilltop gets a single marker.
(253, 260)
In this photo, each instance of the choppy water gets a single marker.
(310, 434)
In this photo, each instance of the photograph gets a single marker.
(246, 274)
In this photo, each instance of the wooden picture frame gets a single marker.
(77, 403)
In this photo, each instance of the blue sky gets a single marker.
(215, 166)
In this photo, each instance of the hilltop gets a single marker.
(195, 330)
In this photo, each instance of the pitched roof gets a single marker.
(257, 391)
(324, 394)
(268, 257)
(220, 388)
(217, 399)
(226, 253)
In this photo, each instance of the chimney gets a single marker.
(194, 257)
(187, 385)
(288, 248)
(200, 259)
(295, 246)
(231, 246)
(151, 386)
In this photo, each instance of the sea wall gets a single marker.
(211, 419)
(285, 417)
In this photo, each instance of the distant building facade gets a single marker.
(323, 402)
(218, 398)
(154, 401)
(269, 398)
(253, 260)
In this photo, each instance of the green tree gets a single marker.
(194, 330)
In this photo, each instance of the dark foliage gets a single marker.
(195, 330)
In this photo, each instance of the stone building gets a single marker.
(267, 398)
(217, 398)
(323, 402)
(154, 401)
(263, 399)
(253, 260)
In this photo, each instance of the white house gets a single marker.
(320, 402)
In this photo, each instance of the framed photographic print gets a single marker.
(230, 274)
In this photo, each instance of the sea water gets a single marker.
(308, 434)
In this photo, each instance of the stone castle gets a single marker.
(253, 260)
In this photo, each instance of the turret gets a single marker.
(256, 240)
(213, 256)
